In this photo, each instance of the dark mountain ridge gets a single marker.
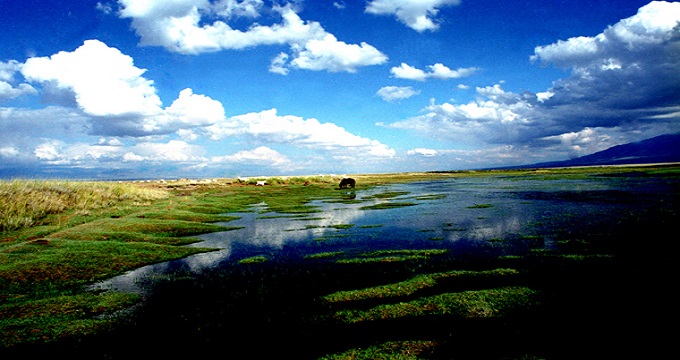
(659, 149)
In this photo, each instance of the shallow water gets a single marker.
(472, 217)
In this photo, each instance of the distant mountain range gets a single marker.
(660, 149)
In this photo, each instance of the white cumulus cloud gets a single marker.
(105, 84)
(183, 27)
(393, 93)
(623, 77)
(335, 56)
(419, 15)
(8, 89)
(268, 127)
(260, 155)
(437, 71)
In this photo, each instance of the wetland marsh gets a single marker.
(535, 264)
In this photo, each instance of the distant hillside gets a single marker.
(660, 149)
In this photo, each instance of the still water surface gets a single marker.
(472, 217)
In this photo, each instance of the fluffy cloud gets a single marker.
(173, 151)
(103, 80)
(179, 27)
(105, 84)
(503, 155)
(422, 152)
(335, 56)
(496, 116)
(392, 93)
(437, 71)
(416, 14)
(621, 78)
(57, 152)
(7, 90)
(632, 64)
(268, 127)
(261, 155)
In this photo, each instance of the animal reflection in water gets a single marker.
(348, 183)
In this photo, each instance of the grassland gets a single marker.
(58, 236)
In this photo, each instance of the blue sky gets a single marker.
(223, 88)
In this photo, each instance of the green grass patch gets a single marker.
(41, 268)
(386, 256)
(253, 260)
(417, 283)
(342, 226)
(476, 304)
(397, 350)
(480, 206)
(325, 255)
(387, 205)
(171, 232)
(51, 319)
(431, 197)
(387, 195)
(184, 215)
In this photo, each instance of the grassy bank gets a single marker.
(59, 236)
(56, 236)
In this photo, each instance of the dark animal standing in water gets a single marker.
(347, 182)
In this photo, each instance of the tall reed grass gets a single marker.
(26, 203)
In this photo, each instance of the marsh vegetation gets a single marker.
(533, 264)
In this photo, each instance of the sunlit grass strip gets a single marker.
(48, 320)
(325, 255)
(384, 256)
(172, 232)
(476, 304)
(399, 350)
(387, 205)
(185, 215)
(411, 286)
(25, 203)
(387, 195)
(253, 260)
(431, 197)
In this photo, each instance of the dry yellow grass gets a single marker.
(26, 203)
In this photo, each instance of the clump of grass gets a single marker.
(253, 260)
(431, 197)
(35, 269)
(370, 226)
(475, 304)
(50, 319)
(172, 232)
(387, 205)
(342, 226)
(480, 206)
(401, 350)
(383, 256)
(26, 203)
(411, 286)
(324, 255)
(387, 195)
